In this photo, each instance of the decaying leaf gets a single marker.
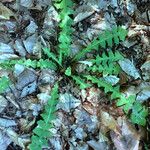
(67, 102)
(128, 67)
(4, 140)
(129, 138)
(22, 141)
(108, 121)
(146, 69)
(5, 13)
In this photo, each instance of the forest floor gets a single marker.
(86, 119)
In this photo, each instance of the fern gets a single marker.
(4, 83)
(127, 103)
(106, 64)
(65, 7)
(51, 55)
(139, 114)
(42, 64)
(81, 82)
(107, 37)
(115, 93)
(42, 132)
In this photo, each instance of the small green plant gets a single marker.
(4, 83)
(101, 66)
(42, 132)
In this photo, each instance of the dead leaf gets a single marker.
(129, 138)
(4, 140)
(89, 108)
(5, 13)
(108, 121)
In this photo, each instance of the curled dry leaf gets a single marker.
(97, 145)
(3, 103)
(146, 69)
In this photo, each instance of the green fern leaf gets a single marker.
(46, 64)
(106, 64)
(7, 64)
(126, 103)
(42, 131)
(4, 84)
(139, 114)
(107, 87)
(81, 82)
(107, 37)
(42, 64)
(51, 55)
(27, 63)
(65, 7)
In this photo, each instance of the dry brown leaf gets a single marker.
(5, 13)
(129, 138)
(109, 122)
(89, 108)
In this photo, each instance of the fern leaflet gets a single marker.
(107, 87)
(65, 25)
(106, 64)
(42, 64)
(107, 37)
(139, 114)
(4, 83)
(81, 82)
(42, 131)
(126, 103)
(51, 55)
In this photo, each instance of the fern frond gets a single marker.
(104, 39)
(4, 83)
(46, 64)
(106, 64)
(115, 93)
(42, 131)
(65, 7)
(139, 114)
(81, 82)
(106, 70)
(111, 57)
(51, 55)
(126, 103)
(42, 64)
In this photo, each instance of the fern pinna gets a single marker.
(104, 39)
(42, 132)
(4, 83)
